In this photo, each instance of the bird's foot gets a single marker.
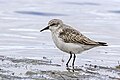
(67, 65)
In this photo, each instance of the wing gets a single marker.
(69, 35)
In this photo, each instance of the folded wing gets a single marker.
(69, 35)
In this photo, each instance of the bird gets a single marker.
(70, 40)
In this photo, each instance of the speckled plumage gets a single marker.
(70, 40)
(73, 36)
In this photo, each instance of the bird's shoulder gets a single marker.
(70, 35)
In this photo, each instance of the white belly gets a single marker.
(69, 47)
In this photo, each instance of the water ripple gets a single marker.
(82, 3)
(40, 13)
(15, 35)
(115, 11)
(23, 29)
(25, 47)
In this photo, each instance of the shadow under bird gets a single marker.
(69, 39)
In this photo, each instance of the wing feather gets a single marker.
(69, 35)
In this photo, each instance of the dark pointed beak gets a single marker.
(46, 28)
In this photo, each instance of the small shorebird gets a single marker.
(70, 40)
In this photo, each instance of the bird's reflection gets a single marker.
(74, 69)
(70, 68)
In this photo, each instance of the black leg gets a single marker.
(73, 60)
(69, 59)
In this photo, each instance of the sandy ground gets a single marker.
(27, 54)
(31, 69)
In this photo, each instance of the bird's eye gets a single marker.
(52, 24)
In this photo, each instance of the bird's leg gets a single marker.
(73, 60)
(69, 59)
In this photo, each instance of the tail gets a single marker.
(102, 44)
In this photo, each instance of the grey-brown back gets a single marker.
(70, 35)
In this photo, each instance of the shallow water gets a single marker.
(21, 21)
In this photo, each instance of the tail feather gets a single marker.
(102, 43)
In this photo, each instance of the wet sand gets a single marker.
(31, 69)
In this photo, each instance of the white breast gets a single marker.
(67, 47)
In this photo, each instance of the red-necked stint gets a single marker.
(69, 39)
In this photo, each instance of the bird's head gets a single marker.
(53, 25)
